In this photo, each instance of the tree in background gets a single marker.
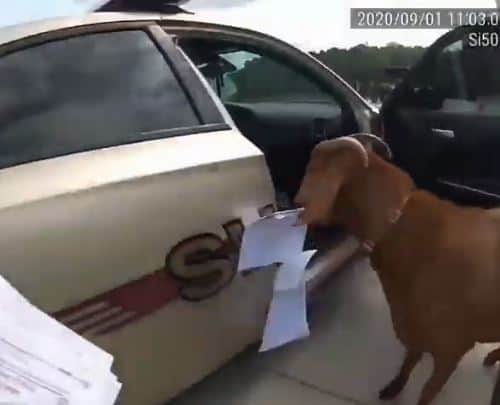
(361, 66)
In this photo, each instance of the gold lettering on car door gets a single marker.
(206, 263)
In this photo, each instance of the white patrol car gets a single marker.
(133, 149)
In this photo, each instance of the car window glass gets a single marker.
(257, 78)
(467, 78)
(481, 68)
(449, 80)
(84, 93)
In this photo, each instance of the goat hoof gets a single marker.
(391, 391)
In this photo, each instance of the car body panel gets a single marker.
(88, 236)
(109, 185)
(78, 226)
(25, 30)
(108, 241)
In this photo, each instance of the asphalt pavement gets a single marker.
(351, 354)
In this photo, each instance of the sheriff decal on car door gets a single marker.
(196, 268)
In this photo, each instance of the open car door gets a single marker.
(443, 120)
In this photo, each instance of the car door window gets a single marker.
(255, 78)
(87, 92)
(449, 78)
(451, 106)
(466, 79)
(481, 71)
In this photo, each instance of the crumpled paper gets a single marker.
(277, 239)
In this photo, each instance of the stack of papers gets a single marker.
(44, 363)
(275, 239)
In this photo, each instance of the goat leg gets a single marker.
(411, 359)
(444, 365)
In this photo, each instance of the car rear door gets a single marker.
(443, 120)
(125, 188)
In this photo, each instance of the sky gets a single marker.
(316, 25)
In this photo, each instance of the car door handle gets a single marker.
(444, 133)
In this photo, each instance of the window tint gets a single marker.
(468, 74)
(84, 93)
(448, 77)
(481, 67)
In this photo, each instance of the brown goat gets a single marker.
(438, 263)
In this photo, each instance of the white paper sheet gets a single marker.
(290, 274)
(277, 239)
(13, 304)
(44, 363)
(287, 318)
(272, 239)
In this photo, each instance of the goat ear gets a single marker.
(374, 144)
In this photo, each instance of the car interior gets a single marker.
(274, 104)
(449, 110)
